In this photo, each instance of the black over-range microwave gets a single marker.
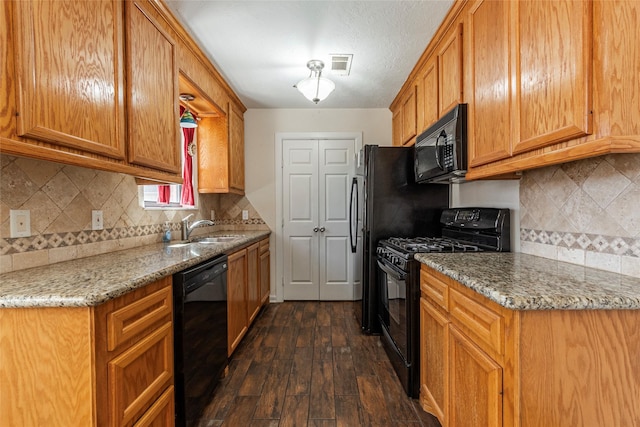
(441, 150)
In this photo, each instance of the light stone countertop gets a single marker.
(94, 280)
(526, 282)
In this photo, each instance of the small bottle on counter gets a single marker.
(166, 233)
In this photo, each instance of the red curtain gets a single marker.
(186, 197)
(164, 193)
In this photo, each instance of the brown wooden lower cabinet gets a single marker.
(237, 324)
(109, 365)
(485, 365)
(253, 282)
(245, 293)
(265, 271)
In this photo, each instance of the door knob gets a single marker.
(315, 229)
(322, 229)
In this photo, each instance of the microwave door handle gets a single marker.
(438, 151)
(442, 134)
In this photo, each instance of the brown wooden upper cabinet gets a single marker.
(438, 84)
(550, 100)
(546, 82)
(221, 153)
(96, 84)
(404, 118)
(236, 150)
(69, 76)
(152, 89)
(552, 66)
(488, 92)
(428, 100)
(450, 70)
(78, 67)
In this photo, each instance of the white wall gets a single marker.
(493, 194)
(261, 125)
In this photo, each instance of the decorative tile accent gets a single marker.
(594, 242)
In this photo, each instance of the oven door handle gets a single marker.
(391, 270)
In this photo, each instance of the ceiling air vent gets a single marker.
(341, 64)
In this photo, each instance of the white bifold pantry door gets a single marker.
(316, 179)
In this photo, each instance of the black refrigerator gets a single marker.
(393, 206)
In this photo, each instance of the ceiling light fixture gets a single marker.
(187, 120)
(315, 87)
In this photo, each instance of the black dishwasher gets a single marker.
(200, 336)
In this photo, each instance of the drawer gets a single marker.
(138, 316)
(435, 286)
(479, 320)
(264, 246)
(161, 413)
(140, 375)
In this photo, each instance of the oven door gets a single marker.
(393, 305)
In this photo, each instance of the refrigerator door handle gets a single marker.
(353, 228)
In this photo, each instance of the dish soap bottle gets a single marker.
(166, 234)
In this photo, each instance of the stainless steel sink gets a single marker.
(218, 239)
(207, 240)
(179, 245)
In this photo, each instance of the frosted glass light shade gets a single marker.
(315, 89)
(187, 120)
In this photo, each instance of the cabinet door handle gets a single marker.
(315, 229)
(322, 229)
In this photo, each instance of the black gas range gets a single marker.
(463, 230)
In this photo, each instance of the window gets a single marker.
(148, 194)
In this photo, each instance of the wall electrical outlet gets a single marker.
(97, 222)
(245, 215)
(213, 215)
(20, 223)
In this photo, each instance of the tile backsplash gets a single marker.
(60, 199)
(585, 212)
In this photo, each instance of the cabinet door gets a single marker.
(152, 81)
(475, 382)
(253, 284)
(428, 100)
(450, 70)
(553, 74)
(221, 153)
(434, 362)
(236, 298)
(409, 116)
(488, 96)
(236, 150)
(265, 272)
(396, 125)
(69, 72)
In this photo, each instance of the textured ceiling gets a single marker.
(262, 47)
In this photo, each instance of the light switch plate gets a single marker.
(20, 223)
(245, 214)
(97, 222)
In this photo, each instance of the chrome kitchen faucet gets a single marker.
(188, 228)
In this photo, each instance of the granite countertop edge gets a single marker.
(527, 282)
(91, 281)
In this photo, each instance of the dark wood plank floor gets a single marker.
(308, 364)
